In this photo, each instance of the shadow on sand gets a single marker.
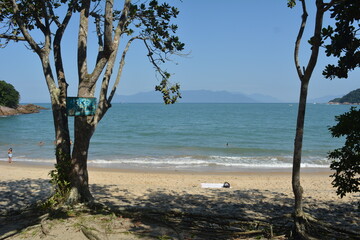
(213, 216)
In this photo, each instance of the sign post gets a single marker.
(80, 106)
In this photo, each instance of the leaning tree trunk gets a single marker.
(79, 174)
(300, 219)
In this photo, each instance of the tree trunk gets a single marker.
(300, 219)
(79, 174)
(62, 135)
(62, 141)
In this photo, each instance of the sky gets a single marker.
(237, 46)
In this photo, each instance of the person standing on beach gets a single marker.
(10, 155)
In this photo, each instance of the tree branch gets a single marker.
(298, 40)
(327, 6)
(47, 29)
(51, 10)
(153, 61)
(57, 49)
(108, 26)
(10, 37)
(104, 104)
(109, 59)
(99, 34)
(23, 29)
(316, 39)
(82, 40)
(123, 21)
(121, 66)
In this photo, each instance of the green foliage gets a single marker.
(170, 94)
(344, 39)
(351, 97)
(61, 182)
(291, 3)
(9, 97)
(149, 21)
(346, 160)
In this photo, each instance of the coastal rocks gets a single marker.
(343, 103)
(6, 111)
(21, 109)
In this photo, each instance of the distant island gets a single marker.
(9, 101)
(352, 98)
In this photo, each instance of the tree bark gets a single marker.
(299, 218)
(79, 174)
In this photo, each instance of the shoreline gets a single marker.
(170, 169)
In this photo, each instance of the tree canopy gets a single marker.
(9, 97)
(342, 41)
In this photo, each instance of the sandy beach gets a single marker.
(262, 195)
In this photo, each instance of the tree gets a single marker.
(9, 97)
(344, 44)
(346, 160)
(149, 22)
(304, 73)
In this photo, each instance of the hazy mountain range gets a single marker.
(205, 96)
(197, 96)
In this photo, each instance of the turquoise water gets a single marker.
(185, 136)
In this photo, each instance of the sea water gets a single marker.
(185, 136)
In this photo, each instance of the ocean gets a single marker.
(195, 137)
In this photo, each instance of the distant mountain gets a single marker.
(202, 96)
(264, 98)
(352, 97)
(324, 99)
(197, 96)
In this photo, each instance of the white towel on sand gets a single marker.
(212, 185)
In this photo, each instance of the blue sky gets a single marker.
(238, 46)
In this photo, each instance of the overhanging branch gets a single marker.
(11, 37)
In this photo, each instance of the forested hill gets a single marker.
(352, 97)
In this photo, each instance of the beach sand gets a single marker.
(263, 195)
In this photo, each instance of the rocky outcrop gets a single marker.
(21, 109)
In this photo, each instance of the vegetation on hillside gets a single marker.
(351, 97)
(9, 97)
